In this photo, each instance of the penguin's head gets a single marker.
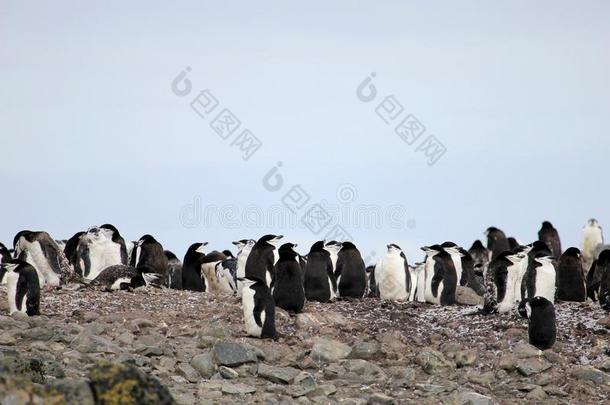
(287, 251)
(239, 244)
(146, 239)
(539, 249)
(593, 223)
(544, 260)
(347, 245)
(20, 234)
(318, 246)
(537, 302)
(393, 249)
(431, 250)
(494, 233)
(228, 253)
(603, 258)
(572, 252)
(333, 246)
(200, 247)
(272, 240)
(170, 255)
(477, 244)
(547, 225)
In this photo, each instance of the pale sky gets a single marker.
(518, 94)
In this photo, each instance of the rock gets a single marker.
(508, 362)
(232, 354)
(380, 399)
(279, 375)
(38, 333)
(604, 365)
(328, 351)
(13, 363)
(467, 296)
(297, 391)
(536, 394)
(237, 389)
(532, 365)
(305, 379)
(369, 372)
(204, 364)
(87, 343)
(473, 398)
(366, 351)
(114, 383)
(432, 362)
(590, 374)
(20, 390)
(7, 339)
(524, 350)
(482, 379)
(75, 392)
(325, 390)
(465, 358)
(228, 373)
(432, 388)
(188, 372)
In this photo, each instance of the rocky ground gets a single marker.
(347, 352)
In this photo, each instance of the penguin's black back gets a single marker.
(602, 272)
(570, 277)
(28, 285)
(288, 290)
(191, 269)
(444, 270)
(260, 261)
(549, 235)
(542, 329)
(318, 270)
(352, 270)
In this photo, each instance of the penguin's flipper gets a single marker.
(259, 306)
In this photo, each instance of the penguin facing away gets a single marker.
(350, 272)
(542, 329)
(496, 241)
(23, 287)
(418, 282)
(151, 256)
(549, 235)
(602, 270)
(261, 260)
(258, 309)
(392, 275)
(319, 280)
(192, 279)
(594, 279)
(288, 291)
(571, 285)
(480, 257)
(174, 270)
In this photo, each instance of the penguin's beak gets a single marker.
(204, 243)
(294, 245)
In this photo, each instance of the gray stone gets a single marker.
(537, 395)
(38, 333)
(280, 375)
(7, 339)
(238, 389)
(465, 358)
(87, 343)
(297, 391)
(305, 379)
(13, 363)
(326, 350)
(432, 388)
(228, 373)
(366, 351)
(473, 398)
(380, 399)
(188, 372)
(369, 372)
(467, 296)
(532, 365)
(590, 374)
(75, 392)
(204, 364)
(433, 362)
(524, 350)
(232, 354)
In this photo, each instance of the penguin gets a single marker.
(480, 257)
(602, 270)
(174, 270)
(519, 258)
(192, 279)
(503, 281)
(418, 282)
(592, 236)
(226, 273)
(228, 254)
(288, 291)
(512, 243)
(114, 235)
(5, 254)
(549, 235)
(70, 251)
(441, 277)
(124, 277)
(131, 247)
(594, 279)
(319, 280)
(333, 247)
(98, 249)
(41, 251)
(539, 279)
(425, 293)
(261, 259)
(23, 287)
(392, 275)
(244, 247)
(372, 290)
(456, 256)
(350, 272)
(542, 328)
(150, 257)
(214, 281)
(258, 308)
(571, 285)
(468, 272)
(496, 241)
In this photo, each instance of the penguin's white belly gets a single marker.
(457, 263)
(414, 276)
(11, 281)
(247, 303)
(208, 271)
(545, 282)
(46, 274)
(117, 284)
(521, 270)
(333, 293)
(268, 278)
(421, 286)
(507, 303)
(391, 279)
(102, 257)
(226, 284)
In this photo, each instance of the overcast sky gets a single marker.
(517, 94)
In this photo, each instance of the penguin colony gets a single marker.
(265, 273)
